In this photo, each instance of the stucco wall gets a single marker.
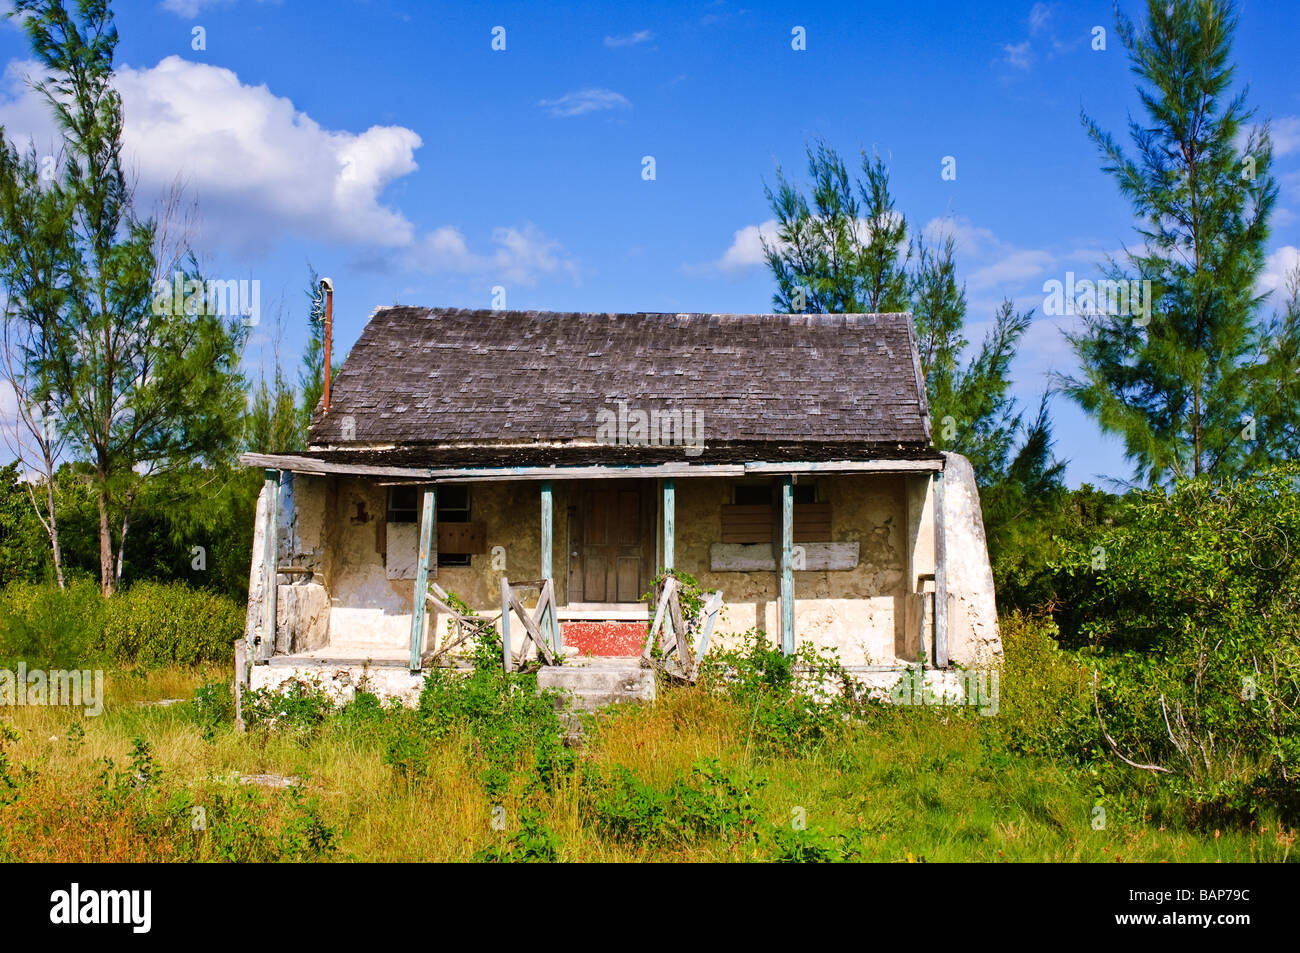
(858, 611)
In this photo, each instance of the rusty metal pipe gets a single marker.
(328, 285)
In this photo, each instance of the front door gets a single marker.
(612, 547)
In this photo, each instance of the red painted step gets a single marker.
(604, 639)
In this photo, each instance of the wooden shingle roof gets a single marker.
(437, 378)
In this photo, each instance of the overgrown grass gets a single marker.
(478, 772)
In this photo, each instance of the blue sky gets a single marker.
(388, 143)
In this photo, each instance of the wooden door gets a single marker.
(613, 550)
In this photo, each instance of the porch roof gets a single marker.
(537, 469)
(433, 388)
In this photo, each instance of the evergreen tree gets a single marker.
(1179, 381)
(141, 389)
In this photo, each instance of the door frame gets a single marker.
(579, 510)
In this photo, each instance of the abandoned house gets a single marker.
(545, 467)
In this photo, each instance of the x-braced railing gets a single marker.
(541, 619)
(669, 632)
(462, 628)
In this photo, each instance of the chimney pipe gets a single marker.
(328, 285)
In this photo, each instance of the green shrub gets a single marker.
(49, 627)
(791, 846)
(296, 707)
(533, 842)
(514, 731)
(791, 702)
(712, 802)
(213, 706)
(155, 623)
(1045, 705)
(150, 623)
(1190, 613)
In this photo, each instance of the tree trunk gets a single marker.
(126, 523)
(105, 540)
(54, 526)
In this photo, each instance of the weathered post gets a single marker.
(548, 544)
(787, 564)
(270, 564)
(670, 522)
(428, 526)
(505, 623)
(940, 576)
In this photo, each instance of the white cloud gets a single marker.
(192, 8)
(968, 239)
(584, 101)
(520, 255)
(1017, 54)
(258, 165)
(1278, 268)
(1285, 132)
(629, 39)
(1014, 266)
(992, 261)
(263, 170)
(746, 250)
(1039, 14)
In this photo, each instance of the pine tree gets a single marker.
(847, 251)
(140, 390)
(1178, 380)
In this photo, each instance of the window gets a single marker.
(453, 507)
(760, 494)
(754, 515)
(403, 504)
(752, 494)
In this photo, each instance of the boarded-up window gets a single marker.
(457, 536)
(755, 516)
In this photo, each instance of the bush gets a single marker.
(532, 843)
(791, 702)
(150, 623)
(297, 707)
(1045, 705)
(1190, 613)
(46, 626)
(155, 623)
(512, 729)
(712, 802)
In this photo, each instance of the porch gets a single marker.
(849, 555)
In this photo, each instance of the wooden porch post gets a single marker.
(505, 624)
(548, 545)
(270, 563)
(787, 564)
(670, 522)
(428, 527)
(940, 578)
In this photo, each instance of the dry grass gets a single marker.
(909, 784)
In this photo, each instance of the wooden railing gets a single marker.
(669, 631)
(541, 620)
(462, 627)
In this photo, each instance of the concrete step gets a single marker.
(599, 682)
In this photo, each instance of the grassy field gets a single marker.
(477, 774)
